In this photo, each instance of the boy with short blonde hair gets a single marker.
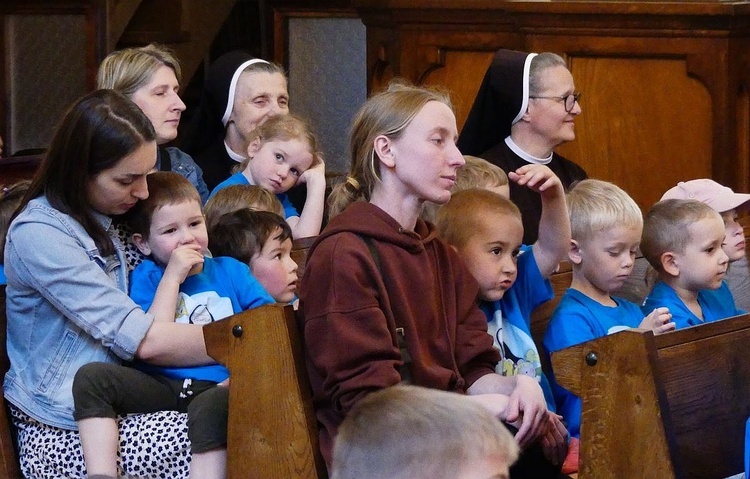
(476, 173)
(682, 240)
(480, 173)
(409, 432)
(486, 230)
(606, 229)
(237, 197)
(725, 202)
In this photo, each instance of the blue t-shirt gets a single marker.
(224, 287)
(716, 304)
(509, 323)
(3, 279)
(578, 319)
(239, 179)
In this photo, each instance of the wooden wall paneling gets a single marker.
(649, 102)
(664, 83)
(455, 61)
(632, 126)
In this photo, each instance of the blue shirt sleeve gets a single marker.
(289, 209)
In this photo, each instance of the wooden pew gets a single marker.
(18, 168)
(272, 428)
(668, 406)
(300, 247)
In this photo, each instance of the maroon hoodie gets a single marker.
(350, 304)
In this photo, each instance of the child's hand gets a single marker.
(555, 440)
(538, 178)
(184, 261)
(659, 321)
(527, 404)
(315, 174)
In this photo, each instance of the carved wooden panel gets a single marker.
(463, 88)
(645, 123)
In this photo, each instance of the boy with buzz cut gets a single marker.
(682, 241)
(409, 432)
(476, 173)
(486, 231)
(176, 282)
(263, 241)
(606, 229)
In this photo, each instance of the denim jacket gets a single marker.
(183, 164)
(67, 306)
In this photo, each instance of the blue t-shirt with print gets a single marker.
(509, 323)
(224, 287)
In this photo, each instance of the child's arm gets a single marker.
(659, 321)
(309, 221)
(181, 262)
(554, 225)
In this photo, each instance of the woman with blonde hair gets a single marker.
(383, 299)
(150, 76)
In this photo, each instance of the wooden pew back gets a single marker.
(272, 428)
(18, 168)
(668, 406)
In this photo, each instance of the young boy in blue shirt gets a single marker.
(606, 229)
(683, 241)
(263, 241)
(486, 231)
(725, 202)
(177, 282)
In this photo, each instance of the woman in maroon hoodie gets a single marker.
(384, 300)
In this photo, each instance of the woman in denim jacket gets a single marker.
(150, 76)
(67, 302)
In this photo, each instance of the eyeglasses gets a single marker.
(569, 100)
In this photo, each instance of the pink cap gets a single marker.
(717, 196)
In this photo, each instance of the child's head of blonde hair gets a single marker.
(595, 205)
(666, 228)
(480, 173)
(284, 128)
(236, 197)
(476, 173)
(409, 432)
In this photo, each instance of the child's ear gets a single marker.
(670, 264)
(253, 147)
(141, 243)
(384, 150)
(574, 253)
